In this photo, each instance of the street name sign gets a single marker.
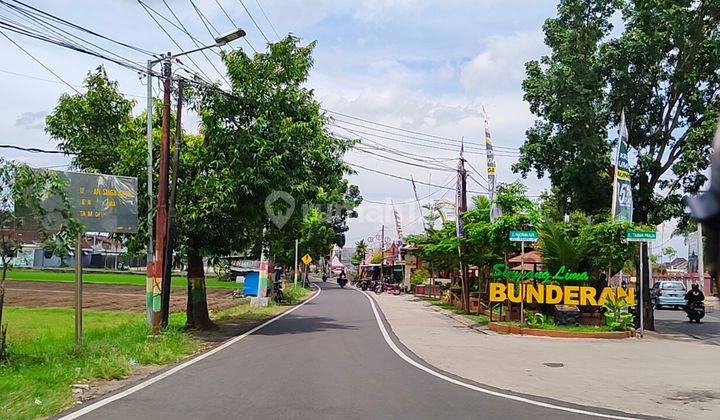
(640, 236)
(523, 236)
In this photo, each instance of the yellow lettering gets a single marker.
(587, 296)
(512, 296)
(553, 294)
(534, 293)
(497, 292)
(629, 295)
(607, 292)
(572, 293)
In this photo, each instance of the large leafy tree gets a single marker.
(662, 70)
(266, 136)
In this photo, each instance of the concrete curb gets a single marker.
(512, 329)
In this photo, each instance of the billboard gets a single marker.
(102, 203)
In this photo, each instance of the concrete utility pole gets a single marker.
(149, 120)
(170, 239)
(78, 289)
(701, 256)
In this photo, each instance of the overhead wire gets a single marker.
(253, 21)
(197, 44)
(148, 11)
(234, 24)
(81, 28)
(267, 19)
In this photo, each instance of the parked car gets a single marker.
(668, 293)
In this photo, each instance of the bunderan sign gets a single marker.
(555, 294)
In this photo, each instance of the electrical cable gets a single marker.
(147, 10)
(253, 21)
(234, 24)
(51, 152)
(80, 28)
(267, 19)
(404, 178)
(194, 41)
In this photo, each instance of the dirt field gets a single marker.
(109, 297)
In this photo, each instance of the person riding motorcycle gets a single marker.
(694, 295)
(342, 280)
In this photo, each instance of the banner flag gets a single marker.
(495, 210)
(622, 204)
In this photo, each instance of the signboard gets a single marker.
(554, 294)
(622, 204)
(639, 236)
(563, 274)
(306, 259)
(693, 252)
(102, 203)
(523, 235)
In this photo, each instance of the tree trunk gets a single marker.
(197, 308)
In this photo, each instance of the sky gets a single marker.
(420, 65)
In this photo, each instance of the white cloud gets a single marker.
(501, 64)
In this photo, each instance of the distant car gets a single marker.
(668, 293)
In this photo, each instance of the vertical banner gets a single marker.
(495, 210)
(622, 204)
(398, 224)
(425, 228)
(693, 252)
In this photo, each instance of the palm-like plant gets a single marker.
(559, 249)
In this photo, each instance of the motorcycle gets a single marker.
(364, 284)
(378, 287)
(342, 281)
(695, 311)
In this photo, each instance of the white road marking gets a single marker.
(94, 406)
(439, 375)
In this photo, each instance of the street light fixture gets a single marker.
(229, 37)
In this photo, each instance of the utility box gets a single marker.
(252, 280)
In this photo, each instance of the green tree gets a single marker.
(662, 70)
(360, 252)
(22, 193)
(266, 136)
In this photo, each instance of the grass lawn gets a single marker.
(111, 278)
(571, 328)
(44, 361)
(293, 294)
(478, 319)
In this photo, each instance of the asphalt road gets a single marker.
(328, 359)
(675, 322)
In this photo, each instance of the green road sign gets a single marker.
(638, 236)
(523, 235)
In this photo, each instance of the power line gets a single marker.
(50, 152)
(404, 178)
(147, 10)
(267, 19)
(479, 144)
(253, 21)
(234, 24)
(431, 168)
(39, 62)
(194, 41)
(55, 81)
(78, 27)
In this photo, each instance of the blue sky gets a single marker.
(423, 65)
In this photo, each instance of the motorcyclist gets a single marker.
(694, 295)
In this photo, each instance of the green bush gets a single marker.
(534, 319)
(419, 276)
(294, 294)
(616, 315)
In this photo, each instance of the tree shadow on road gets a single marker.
(304, 325)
